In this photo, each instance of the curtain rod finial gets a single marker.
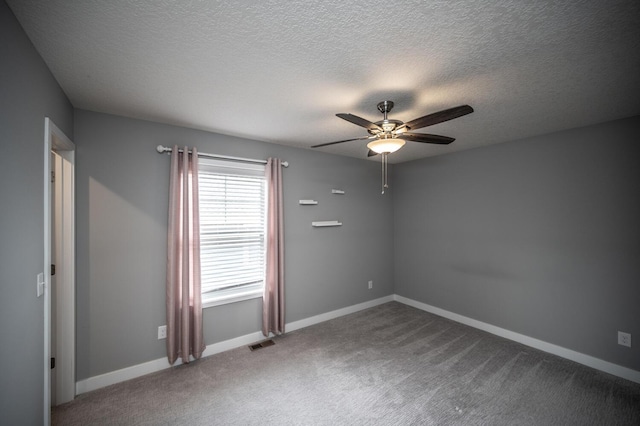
(161, 149)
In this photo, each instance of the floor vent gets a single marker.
(262, 344)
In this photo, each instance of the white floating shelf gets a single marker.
(337, 191)
(326, 223)
(308, 202)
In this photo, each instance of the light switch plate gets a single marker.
(40, 284)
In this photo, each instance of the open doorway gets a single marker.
(59, 259)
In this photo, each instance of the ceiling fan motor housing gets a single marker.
(385, 124)
(385, 107)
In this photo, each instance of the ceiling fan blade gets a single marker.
(346, 140)
(371, 153)
(426, 138)
(439, 117)
(359, 121)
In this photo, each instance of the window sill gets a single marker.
(232, 298)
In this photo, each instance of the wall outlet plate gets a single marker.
(370, 285)
(624, 339)
(162, 332)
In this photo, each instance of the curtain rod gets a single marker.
(162, 149)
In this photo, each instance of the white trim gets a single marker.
(47, 273)
(233, 298)
(317, 319)
(128, 373)
(580, 358)
(113, 377)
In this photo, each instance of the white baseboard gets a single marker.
(589, 361)
(128, 373)
(292, 326)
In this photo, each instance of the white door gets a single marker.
(63, 316)
(59, 238)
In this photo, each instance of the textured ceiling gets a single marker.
(278, 71)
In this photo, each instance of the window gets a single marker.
(232, 230)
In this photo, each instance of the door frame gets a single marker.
(56, 140)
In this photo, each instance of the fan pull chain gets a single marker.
(384, 172)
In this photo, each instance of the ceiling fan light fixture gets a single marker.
(386, 145)
(389, 135)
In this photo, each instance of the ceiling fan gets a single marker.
(390, 135)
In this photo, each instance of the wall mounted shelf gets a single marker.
(326, 223)
(308, 202)
(337, 191)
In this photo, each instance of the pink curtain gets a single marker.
(273, 297)
(184, 306)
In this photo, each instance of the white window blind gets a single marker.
(232, 230)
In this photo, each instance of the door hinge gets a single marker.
(53, 270)
(53, 363)
(53, 176)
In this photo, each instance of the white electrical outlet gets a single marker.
(162, 332)
(370, 285)
(624, 339)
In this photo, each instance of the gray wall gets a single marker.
(122, 197)
(539, 236)
(28, 93)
